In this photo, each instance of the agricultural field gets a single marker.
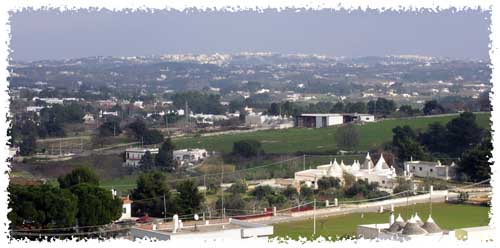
(444, 214)
(316, 140)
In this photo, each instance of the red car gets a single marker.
(144, 219)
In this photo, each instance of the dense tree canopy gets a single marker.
(381, 106)
(247, 148)
(43, 206)
(198, 102)
(189, 199)
(475, 163)
(433, 107)
(148, 195)
(405, 144)
(77, 176)
(96, 206)
(165, 157)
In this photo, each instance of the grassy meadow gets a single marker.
(447, 216)
(316, 140)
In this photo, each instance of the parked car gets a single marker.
(144, 219)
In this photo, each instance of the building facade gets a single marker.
(430, 169)
(133, 156)
(380, 172)
(193, 156)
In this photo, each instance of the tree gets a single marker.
(148, 195)
(338, 108)
(475, 163)
(110, 128)
(349, 179)
(189, 199)
(236, 105)
(247, 148)
(261, 191)
(147, 161)
(407, 110)
(357, 107)
(325, 183)
(152, 137)
(42, 206)
(381, 106)
(77, 176)
(463, 133)
(306, 193)
(28, 146)
(96, 206)
(435, 139)
(405, 144)
(347, 137)
(239, 187)
(290, 192)
(138, 128)
(402, 185)
(432, 108)
(233, 201)
(165, 157)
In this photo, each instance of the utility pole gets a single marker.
(164, 207)
(304, 161)
(314, 218)
(205, 184)
(222, 210)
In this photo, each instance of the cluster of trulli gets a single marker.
(414, 226)
(381, 170)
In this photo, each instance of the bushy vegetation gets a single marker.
(79, 199)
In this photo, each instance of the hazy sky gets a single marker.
(56, 35)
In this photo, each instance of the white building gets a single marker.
(107, 113)
(318, 120)
(35, 109)
(186, 156)
(381, 172)
(134, 155)
(126, 208)
(231, 229)
(88, 119)
(430, 169)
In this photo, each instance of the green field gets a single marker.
(315, 140)
(447, 216)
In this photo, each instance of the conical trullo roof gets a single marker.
(417, 219)
(400, 219)
(398, 225)
(381, 164)
(431, 227)
(355, 165)
(342, 165)
(367, 164)
(336, 166)
(412, 228)
(395, 227)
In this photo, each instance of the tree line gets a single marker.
(460, 138)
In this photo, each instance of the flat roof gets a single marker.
(333, 114)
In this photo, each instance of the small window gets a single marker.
(413, 167)
(124, 210)
(420, 168)
(383, 181)
(431, 170)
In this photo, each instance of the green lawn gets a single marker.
(315, 140)
(447, 216)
